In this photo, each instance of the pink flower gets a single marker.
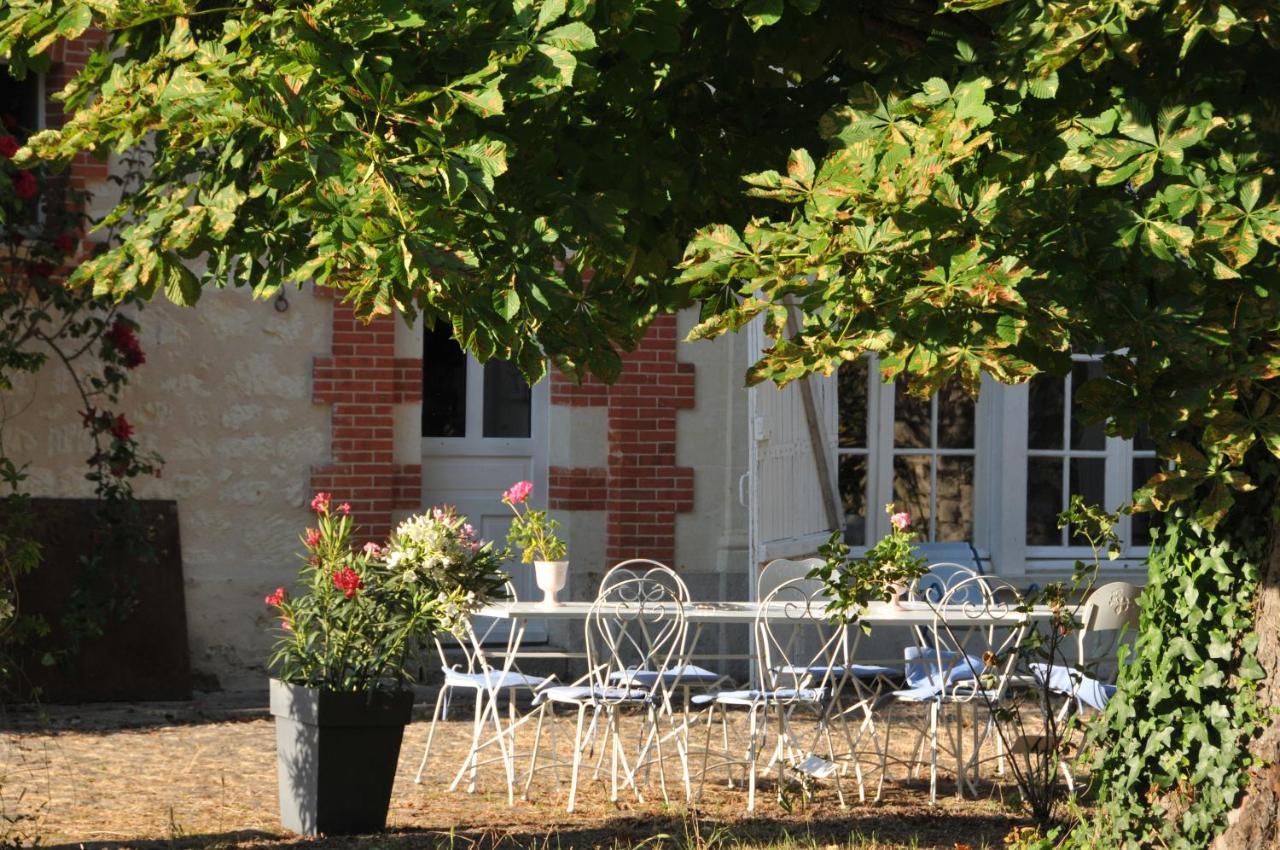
(901, 520)
(313, 537)
(372, 549)
(275, 598)
(437, 514)
(348, 581)
(320, 504)
(518, 493)
(286, 624)
(344, 509)
(468, 531)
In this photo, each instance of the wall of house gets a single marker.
(649, 467)
(225, 396)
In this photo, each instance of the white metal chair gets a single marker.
(488, 684)
(801, 661)
(636, 624)
(967, 660)
(1108, 613)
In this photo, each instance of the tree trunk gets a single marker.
(1255, 824)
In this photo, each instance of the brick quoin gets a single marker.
(363, 380)
(641, 489)
(66, 59)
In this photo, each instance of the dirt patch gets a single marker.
(174, 775)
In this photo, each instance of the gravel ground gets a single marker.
(202, 774)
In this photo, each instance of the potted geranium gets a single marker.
(341, 694)
(882, 574)
(534, 534)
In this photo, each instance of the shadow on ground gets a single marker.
(863, 829)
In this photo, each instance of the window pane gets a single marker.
(955, 499)
(851, 382)
(507, 401)
(911, 419)
(1088, 479)
(1044, 412)
(19, 99)
(1044, 501)
(853, 496)
(1141, 525)
(444, 384)
(911, 489)
(955, 417)
(1084, 436)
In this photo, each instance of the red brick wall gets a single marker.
(642, 489)
(363, 380)
(68, 57)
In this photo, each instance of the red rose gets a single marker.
(123, 340)
(8, 146)
(66, 243)
(25, 186)
(121, 429)
(348, 581)
(275, 598)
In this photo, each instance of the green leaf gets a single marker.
(485, 102)
(574, 37)
(181, 286)
(548, 12)
(762, 13)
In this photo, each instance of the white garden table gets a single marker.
(702, 614)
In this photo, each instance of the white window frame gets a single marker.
(1000, 481)
(880, 452)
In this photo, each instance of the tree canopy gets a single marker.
(960, 186)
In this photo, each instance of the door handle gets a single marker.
(742, 495)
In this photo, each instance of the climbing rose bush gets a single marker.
(360, 615)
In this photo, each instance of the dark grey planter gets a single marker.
(336, 757)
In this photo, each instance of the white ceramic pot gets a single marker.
(550, 576)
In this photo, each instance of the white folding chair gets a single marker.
(488, 684)
(635, 626)
(801, 663)
(966, 660)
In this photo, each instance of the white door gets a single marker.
(483, 429)
(790, 464)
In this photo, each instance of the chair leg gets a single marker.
(533, 758)
(933, 752)
(751, 760)
(578, 745)
(431, 733)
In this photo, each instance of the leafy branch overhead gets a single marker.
(1029, 181)
(965, 188)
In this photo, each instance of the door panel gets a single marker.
(463, 467)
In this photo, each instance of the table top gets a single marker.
(882, 613)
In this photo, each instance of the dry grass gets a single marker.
(201, 776)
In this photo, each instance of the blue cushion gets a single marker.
(491, 680)
(582, 693)
(1073, 683)
(686, 674)
(753, 697)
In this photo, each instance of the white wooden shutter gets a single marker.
(789, 513)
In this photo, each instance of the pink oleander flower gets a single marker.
(901, 521)
(518, 493)
(372, 549)
(313, 537)
(344, 509)
(320, 504)
(468, 531)
(276, 597)
(348, 581)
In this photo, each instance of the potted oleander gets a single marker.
(341, 693)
